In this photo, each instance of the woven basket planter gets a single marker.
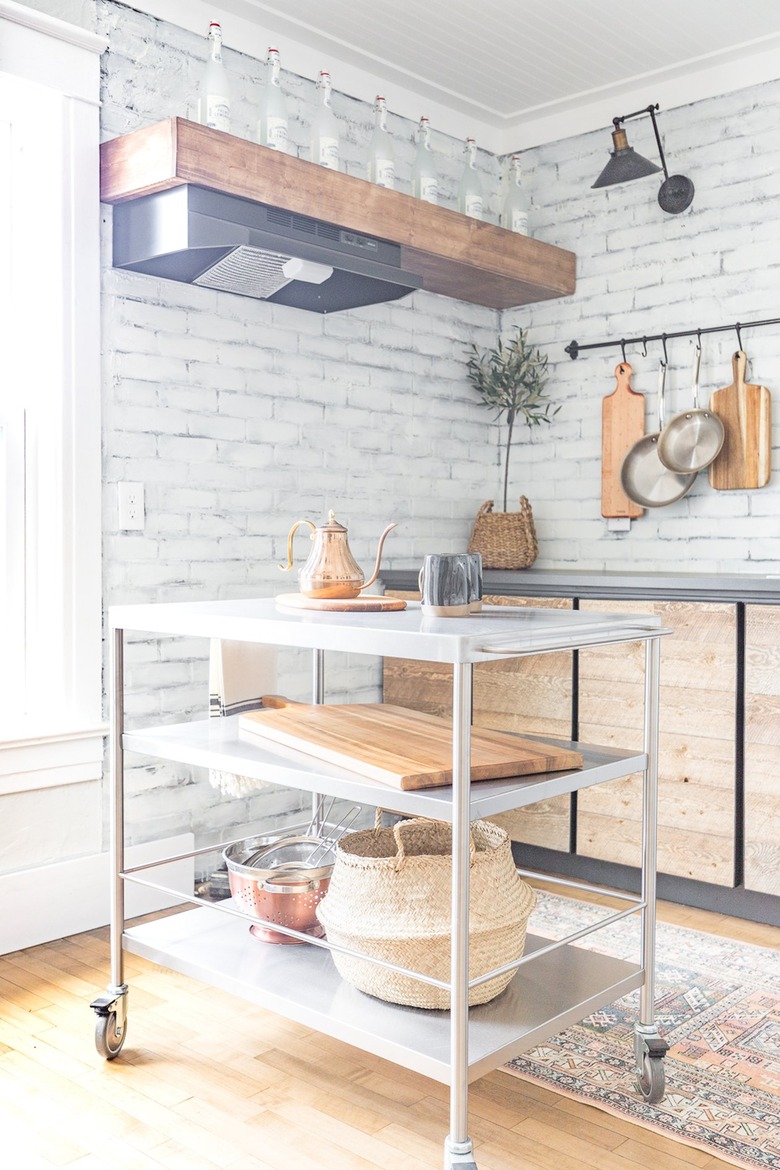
(389, 897)
(506, 540)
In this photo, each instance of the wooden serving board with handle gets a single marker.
(622, 425)
(746, 413)
(402, 748)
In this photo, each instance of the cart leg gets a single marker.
(458, 1147)
(111, 1008)
(317, 696)
(649, 1047)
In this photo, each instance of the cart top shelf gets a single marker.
(496, 631)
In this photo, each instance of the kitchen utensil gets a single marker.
(642, 474)
(368, 604)
(328, 844)
(403, 748)
(622, 424)
(746, 413)
(272, 879)
(331, 570)
(691, 440)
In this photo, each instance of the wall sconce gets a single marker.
(625, 164)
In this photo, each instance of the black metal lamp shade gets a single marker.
(676, 192)
(624, 163)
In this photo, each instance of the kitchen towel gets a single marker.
(239, 674)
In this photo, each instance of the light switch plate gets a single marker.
(619, 524)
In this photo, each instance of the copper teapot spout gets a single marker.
(382, 538)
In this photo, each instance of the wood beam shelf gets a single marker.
(454, 255)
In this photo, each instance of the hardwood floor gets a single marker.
(206, 1081)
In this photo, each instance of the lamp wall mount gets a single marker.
(676, 191)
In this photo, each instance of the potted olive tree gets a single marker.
(510, 379)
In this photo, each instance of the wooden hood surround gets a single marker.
(455, 255)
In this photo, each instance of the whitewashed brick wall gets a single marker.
(240, 416)
(641, 271)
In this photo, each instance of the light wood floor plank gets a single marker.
(207, 1082)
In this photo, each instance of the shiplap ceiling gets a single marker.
(521, 71)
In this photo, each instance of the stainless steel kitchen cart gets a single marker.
(556, 983)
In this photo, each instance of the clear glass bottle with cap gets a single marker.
(272, 123)
(214, 91)
(325, 128)
(470, 198)
(381, 157)
(514, 215)
(425, 184)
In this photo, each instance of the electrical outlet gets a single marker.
(130, 506)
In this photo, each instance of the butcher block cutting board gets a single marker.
(622, 425)
(746, 413)
(402, 748)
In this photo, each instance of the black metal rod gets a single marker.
(573, 349)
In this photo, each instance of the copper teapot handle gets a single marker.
(290, 535)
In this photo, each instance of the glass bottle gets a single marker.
(381, 160)
(214, 92)
(325, 128)
(470, 199)
(514, 215)
(272, 123)
(425, 184)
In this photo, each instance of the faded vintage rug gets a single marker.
(717, 1007)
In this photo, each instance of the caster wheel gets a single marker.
(652, 1080)
(107, 1042)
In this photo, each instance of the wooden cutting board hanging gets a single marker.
(746, 413)
(403, 748)
(622, 425)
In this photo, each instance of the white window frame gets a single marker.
(61, 742)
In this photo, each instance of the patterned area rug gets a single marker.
(717, 1007)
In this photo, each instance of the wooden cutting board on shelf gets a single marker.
(622, 425)
(399, 747)
(746, 413)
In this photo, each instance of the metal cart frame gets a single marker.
(409, 634)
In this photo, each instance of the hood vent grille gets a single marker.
(247, 271)
(302, 223)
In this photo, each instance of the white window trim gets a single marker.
(40, 48)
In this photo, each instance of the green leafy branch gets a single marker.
(511, 380)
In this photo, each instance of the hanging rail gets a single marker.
(574, 349)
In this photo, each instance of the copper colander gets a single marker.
(278, 884)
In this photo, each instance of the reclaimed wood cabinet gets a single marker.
(762, 748)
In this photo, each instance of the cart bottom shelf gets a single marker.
(302, 984)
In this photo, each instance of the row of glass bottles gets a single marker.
(214, 111)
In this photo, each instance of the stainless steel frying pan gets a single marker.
(692, 439)
(645, 479)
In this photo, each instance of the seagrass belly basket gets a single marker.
(390, 897)
(506, 540)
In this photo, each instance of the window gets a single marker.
(50, 665)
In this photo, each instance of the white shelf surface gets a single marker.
(409, 633)
(302, 984)
(219, 744)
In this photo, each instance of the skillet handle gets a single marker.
(696, 369)
(661, 394)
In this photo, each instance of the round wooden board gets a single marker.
(366, 604)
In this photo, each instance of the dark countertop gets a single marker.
(761, 589)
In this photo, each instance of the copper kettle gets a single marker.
(331, 570)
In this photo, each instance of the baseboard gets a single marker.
(68, 897)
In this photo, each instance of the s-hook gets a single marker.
(738, 328)
(623, 349)
(663, 343)
(644, 347)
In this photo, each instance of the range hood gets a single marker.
(204, 237)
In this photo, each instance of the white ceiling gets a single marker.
(512, 72)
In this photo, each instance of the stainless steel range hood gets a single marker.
(203, 237)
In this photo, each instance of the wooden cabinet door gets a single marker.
(531, 695)
(762, 748)
(696, 826)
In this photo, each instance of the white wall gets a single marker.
(641, 271)
(239, 416)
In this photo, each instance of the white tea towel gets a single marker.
(240, 673)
